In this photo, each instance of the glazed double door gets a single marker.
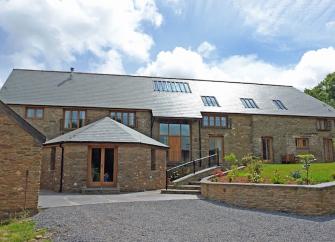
(101, 166)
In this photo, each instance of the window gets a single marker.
(279, 104)
(177, 136)
(74, 119)
(153, 159)
(34, 113)
(302, 143)
(249, 103)
(214, 120)
(323, 125)
(171, 86)
(210, 101)
(53, 158)
(126, 118)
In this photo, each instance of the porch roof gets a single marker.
(105, 130)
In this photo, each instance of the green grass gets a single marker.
(319, 172)
(21, 230)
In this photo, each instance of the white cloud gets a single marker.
(331, 24)
(206, 49)
(313, 67)
(48, 33)
(112, 63)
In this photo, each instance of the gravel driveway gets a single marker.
(183, 220)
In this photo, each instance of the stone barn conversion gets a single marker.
(20, 163)
(193, 118)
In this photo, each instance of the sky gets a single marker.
(265, 41)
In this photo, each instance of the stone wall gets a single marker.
(284, 130)
(134, 168)
(51, 124)
(300, 199)
(20, 160)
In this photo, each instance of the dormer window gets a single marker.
(171, 86)
(210, 101)
(279, 104)
(249, 103)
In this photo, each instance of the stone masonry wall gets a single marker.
(134, 169)
(306, 200)
(284, 131)
(19, 153)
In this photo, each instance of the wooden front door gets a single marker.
(328, 149)
(175, 148)
(102, 165)
(267, 152)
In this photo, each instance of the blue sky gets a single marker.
(281, 42)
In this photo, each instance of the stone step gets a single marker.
(100, 190)
(179, 191)
(185, 187)
(194, 183)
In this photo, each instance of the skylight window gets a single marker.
(249, 103)
(210, 101)
(170, 86)
(279, 104)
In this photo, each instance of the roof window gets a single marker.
(210, 101)
(170, 86)
(249, 103)
(279, 104)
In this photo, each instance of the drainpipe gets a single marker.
(200, 139)
(61, 168)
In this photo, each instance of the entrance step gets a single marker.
(185, 187)
(100, 190)
(180, 191)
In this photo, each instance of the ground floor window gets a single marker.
(267, 152)
(177, 136)
(216, 147)
(302, 143)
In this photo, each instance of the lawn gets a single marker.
(21, 230)
(319, 173)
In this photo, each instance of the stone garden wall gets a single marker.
(301, 199)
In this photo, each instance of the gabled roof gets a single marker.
(105, 130)
(137, 92)
(38, 136)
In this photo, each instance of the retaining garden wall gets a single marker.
(301, 199)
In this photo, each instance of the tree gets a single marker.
(325, 90)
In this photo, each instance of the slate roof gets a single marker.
(136, 92)
(38, 136)
(105, 130)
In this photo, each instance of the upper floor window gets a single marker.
(323, 124)
(210, 101)
(214, 120)
(126, 118)
(171, 86)
(302, 143)
(249, 103)
(279, 104)
(74, 119)
(34, 112)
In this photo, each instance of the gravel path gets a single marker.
(183, 220)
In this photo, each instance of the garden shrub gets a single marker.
(254, 169)
(296, 175)
(276, 178)
(231, 159)
(306, 159)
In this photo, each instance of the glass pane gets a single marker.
(182, 87)
(74, 119)
(204, 100)
(164, 139)
(185, 130)
(82, 115)
(132, 119)
(174, 129)
(163, 129)
(178, 87)
(109, 165)
(185, 143)
(217, 121)
(67, 120)
(30, 113)
(39, 113)
(173, 85)
(205, 121)
(168, 86)
(211, 121)
(119, 117)
(224, 122)
(187, 87)
(125, 118)
(113, 115)
(95, 164)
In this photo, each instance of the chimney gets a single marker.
(71, 69)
